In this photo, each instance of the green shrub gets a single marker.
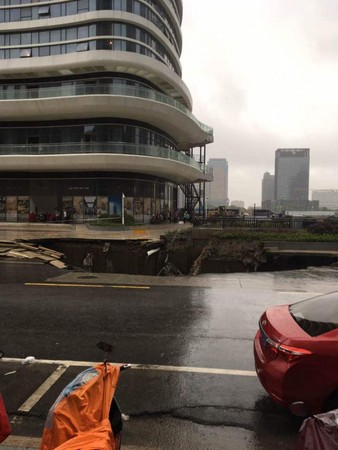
(323, 227)
(294, 236)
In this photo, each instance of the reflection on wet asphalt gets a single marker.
(202, 322)
(26, 271)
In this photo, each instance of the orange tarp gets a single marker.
(79, 419)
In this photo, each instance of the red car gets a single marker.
(296, 354)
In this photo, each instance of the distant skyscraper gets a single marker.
(217, 190)
(238, 203)
(268, 190)
(292, 178)
(328, 198)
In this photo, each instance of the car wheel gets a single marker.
(332, 402)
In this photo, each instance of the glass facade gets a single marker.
(100, 131)
(151, 10)
(91, 196)
(118, 36)
(292, 174)
(81, 133)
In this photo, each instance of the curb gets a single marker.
(31, 443)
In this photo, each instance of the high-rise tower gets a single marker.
(217, 189)
(93, 109)
(292, 167)
(268, 190)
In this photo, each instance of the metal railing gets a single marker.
(102, 147)
(254, 223)
(107, 89)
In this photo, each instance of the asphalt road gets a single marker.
(192, 385)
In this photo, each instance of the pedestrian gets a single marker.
(88, 262)
(186, 216)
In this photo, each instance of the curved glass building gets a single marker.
(94, 112)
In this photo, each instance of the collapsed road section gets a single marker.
(26, 251)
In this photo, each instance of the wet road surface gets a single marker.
(190, 340)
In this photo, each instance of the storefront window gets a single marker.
(77, 199)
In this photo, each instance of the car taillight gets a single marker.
(292, 353)
(275, 349)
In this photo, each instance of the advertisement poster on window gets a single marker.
(138, 206)
(147, 206)
(23, 208)
(102, 205)
(11, 209)
(78, 206)
(89, 206)
(114, 205)
(129, 206)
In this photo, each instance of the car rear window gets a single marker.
(317, 315)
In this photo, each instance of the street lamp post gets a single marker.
(122, 208)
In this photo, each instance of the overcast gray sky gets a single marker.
(264, 75)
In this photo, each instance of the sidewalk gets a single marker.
(33, 231)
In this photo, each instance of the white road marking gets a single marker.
(212, 371)
(309, 294)
(31, 442)
(117, 286)
(40, 392)
(240, 373)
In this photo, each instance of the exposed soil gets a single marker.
(216, 256)
(178, 254)
(219, 256)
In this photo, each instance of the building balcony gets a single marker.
(154, 107)
(104, 156)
